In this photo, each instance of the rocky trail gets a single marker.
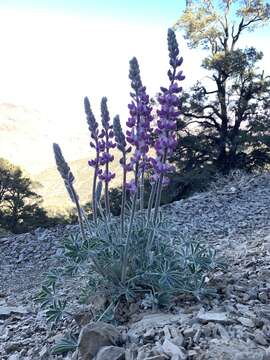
(233, 216)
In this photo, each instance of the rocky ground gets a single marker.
(233, 216)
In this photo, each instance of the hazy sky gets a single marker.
(149, 10)
(53, 53)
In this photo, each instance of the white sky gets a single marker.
(50, 62)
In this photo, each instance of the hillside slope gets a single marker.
(233, 216)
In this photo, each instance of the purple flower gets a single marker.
(131, 186)
(139, 122)
(106, 143)
(92, 163)
(168, 112)
(97, 145)
(106, 176)
(119, 135)
(106, 158)
(94, 132)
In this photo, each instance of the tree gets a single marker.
(226, 121)
(20, 208)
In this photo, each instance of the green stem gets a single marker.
(75, 197)
(142, 191)
(94, 203)
(107, 200)
(94, 188)
(106, 311)
(151, 201)
(104, 218)
(125, 257)
(76, 200)
(158, 187)
(158, 198)
(123, 204)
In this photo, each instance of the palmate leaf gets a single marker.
(56, 310)
(65, 345)
(45, 295)
(85, 294)
(72, 268)
(52, 277)
(72, 248)
(167, 280)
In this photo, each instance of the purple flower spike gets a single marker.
(95, 144)
(169, 111)
(92, 124)
(134, 75)
(107, 134)
(139, 122)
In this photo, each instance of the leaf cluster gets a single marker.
(168, 268)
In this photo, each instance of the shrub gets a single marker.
(20, 206)
(139, 252)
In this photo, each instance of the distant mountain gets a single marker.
(54, 193)
(26, 138)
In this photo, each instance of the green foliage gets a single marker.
(46, 295)
(56, 310)
(205, 21)
(65, 345)
(20, 205)
(49, 299)
(226, 120)
(168, 267)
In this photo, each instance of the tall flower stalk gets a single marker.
(127, 244)
(140, 131)
(122, 147)
(168, 114)
(106, 158)
(68, 178)
(96, 144)
(139, 138)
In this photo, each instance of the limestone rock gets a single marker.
(260, 338)
(6, 311)
(94, 336)
(111, 353)
(156, 320)
(14, 357)
(211, 316)
(233, 350)
(246, 321)
(173, 351)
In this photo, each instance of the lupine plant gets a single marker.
(141, 252)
